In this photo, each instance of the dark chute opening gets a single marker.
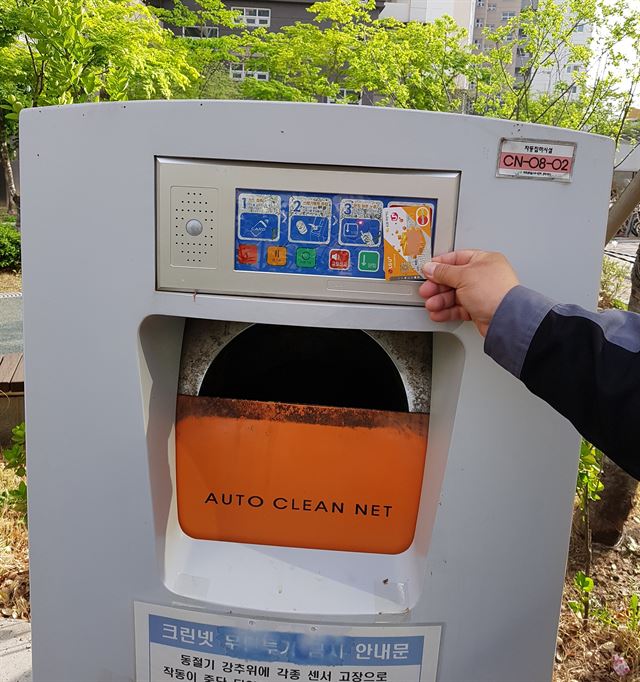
(306, 366)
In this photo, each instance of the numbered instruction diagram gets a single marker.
(313, 233)
(176, 644)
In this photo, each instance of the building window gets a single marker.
(239, 72)
(480, 3)
(573, 89)
(580, 28)
(346, 96)
(253, 16)
(479, 23)
(491, 27)
(573, 67)
(508, 15)
(491, 7)
(478, 43)
(199, 31)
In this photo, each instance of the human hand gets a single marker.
(467, 285)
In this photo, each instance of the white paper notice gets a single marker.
(176, 644)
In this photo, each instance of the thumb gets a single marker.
(441, 273)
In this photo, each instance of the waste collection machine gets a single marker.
(266, 462)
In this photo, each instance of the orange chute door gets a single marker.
(270, 473)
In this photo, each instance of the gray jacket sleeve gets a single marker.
(584, 364)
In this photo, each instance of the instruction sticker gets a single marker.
(360, 222)
(177, 644)
(259, 216)
(314, 233)
(309, 219)
(536, 159)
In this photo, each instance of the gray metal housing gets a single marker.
(489, 554)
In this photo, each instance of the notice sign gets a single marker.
(176, 644)
(536, 159)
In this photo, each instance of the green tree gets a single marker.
(592, 98)
(631, 132)
(64, 51)
(344, 52)
(210, 56)
(12, 69)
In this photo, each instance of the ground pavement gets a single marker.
(10, 323)
(15, 650)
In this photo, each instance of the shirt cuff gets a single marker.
(513, 326)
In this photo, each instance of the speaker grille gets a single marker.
(194, 203)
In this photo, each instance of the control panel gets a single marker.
(313, 233)
(295, 231)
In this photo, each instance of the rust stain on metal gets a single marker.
(347, 417)
(411, 352)
(203, 340)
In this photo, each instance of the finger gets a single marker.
(428, 289)
(441, 301)
(450, 315)
(442, 273)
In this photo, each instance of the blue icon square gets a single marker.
(360, 231)
(309, 229)
(259, 226)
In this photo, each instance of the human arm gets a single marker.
(585, 365)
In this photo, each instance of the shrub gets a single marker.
(9, 247)
(15, 458)
(613, 280)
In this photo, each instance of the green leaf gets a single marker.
(583, 582)
(576, 607)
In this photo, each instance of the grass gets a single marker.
(586, 654)
(10, 281)
(14, 557)
(6, 218)
(615, 284)
(14, 546)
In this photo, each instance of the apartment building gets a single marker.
(461, 11)
(491, 14)
(563, 70)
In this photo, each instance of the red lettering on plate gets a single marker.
(544, 163)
